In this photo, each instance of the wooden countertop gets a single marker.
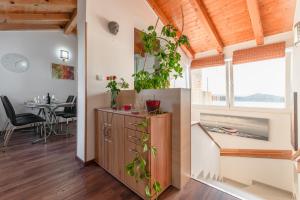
(127, 113)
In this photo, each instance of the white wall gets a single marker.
(279, 129)
(42, 49)
(205, 154)
(109, 54)
(275, 172)
(81, 108)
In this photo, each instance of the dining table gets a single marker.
(48, 112)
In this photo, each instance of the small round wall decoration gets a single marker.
(14, 62)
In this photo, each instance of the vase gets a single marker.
(153, 106)
(113, 103)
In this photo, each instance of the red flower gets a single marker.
(111, 78)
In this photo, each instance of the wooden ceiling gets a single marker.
(38, 15)
(209, 24)
(214, 24)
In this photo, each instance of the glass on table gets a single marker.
(44, 99)
(53, 99)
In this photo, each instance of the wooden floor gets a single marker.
(50, 172)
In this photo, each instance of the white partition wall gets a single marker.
(109, 54)
(81, 126)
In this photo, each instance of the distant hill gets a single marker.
(261, 98)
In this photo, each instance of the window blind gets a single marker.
(210, 61)
(259, 53)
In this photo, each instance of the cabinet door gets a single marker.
(108, 163)
(117, 136)
(101, 118)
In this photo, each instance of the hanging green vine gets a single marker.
(138, 167)
(164, 48)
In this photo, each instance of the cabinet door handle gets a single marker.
(134, 138)
(104, 130)
(107, 124)
(133, 150)
(107, 140)
(133, 124)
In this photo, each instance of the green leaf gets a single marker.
(143, 163)
(156, 186)
(147, 191)
(154, 151)
(147, 175)
(145, 148)
(145, 138)
(130, 169)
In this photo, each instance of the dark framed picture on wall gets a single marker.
(63, 72)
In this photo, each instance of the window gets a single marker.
(209, 86)
(260, 84)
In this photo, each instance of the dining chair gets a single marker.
(70, 116)
(70, 99)
(18, 120)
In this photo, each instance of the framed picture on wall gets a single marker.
(247, 127)
(63, 72)
(294, 128)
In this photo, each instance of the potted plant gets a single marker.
(163, 46)
(115, 88)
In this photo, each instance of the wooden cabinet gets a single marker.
(117, 139)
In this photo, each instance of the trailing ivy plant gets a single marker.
(163, 46)
(138, 167)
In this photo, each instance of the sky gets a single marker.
(267, 77)
(214, 78)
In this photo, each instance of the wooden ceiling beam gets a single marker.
(21, 27)
(207, 22)
(31, 17)
(185, 48)
(253, 9)
(72, 24)
(36, 3)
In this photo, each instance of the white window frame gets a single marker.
(221, 107)
(230, 92)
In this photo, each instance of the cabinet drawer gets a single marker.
(133, 136)
(133, 122)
